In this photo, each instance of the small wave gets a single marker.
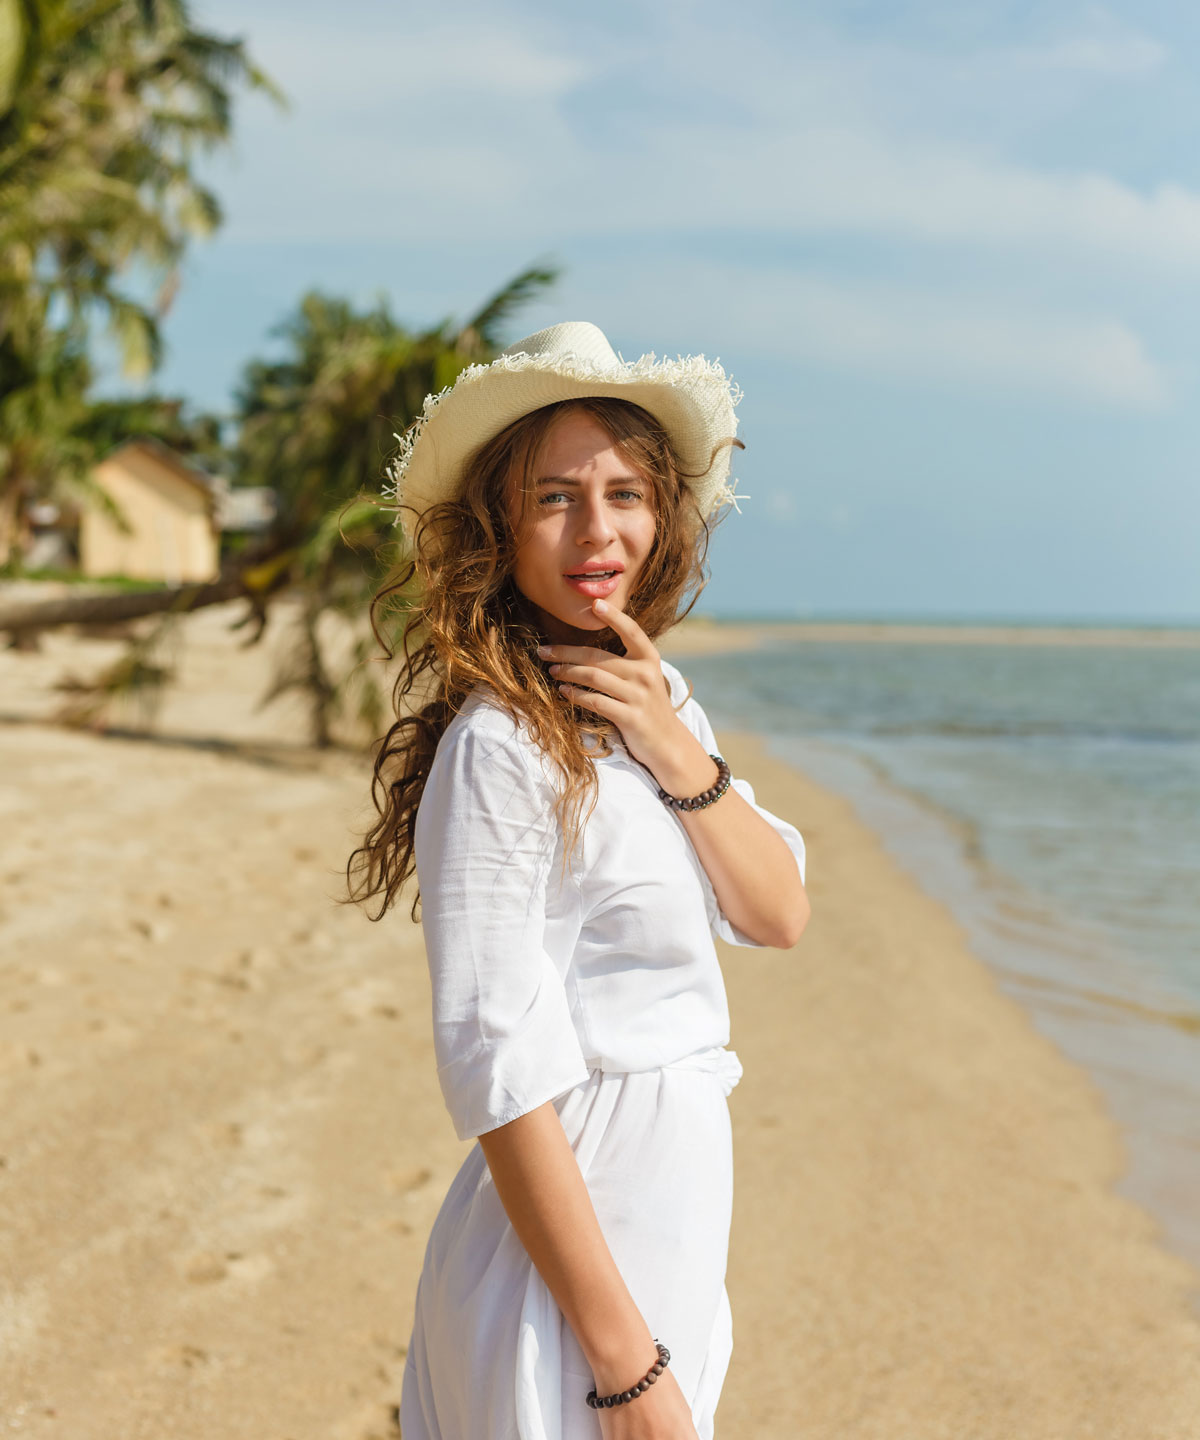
(1026, 729)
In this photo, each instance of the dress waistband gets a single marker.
(717, 1060)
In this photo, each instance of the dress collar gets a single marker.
(619, 752)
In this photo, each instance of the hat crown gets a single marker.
(572, 337)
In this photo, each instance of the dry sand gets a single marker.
(223, 1141)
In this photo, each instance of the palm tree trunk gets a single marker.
(255, 579)
(104, 609)
(317, 682)
(10, 509)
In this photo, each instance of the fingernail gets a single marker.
(601, 605)
(543, 651)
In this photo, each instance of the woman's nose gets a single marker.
(595, 521)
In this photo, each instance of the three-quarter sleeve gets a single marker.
(693, 716)
(503, 1035)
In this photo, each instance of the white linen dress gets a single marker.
(604, 994)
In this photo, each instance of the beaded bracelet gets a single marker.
(622, 1397)
(706, 797)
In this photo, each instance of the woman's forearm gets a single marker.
(544, 1194)
(753, 872)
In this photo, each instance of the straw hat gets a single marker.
(692, 397)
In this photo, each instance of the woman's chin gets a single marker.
(575, 614)
(580, 616)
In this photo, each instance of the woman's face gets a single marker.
(590, 511)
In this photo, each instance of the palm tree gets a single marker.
(317, 426)
(109, 104)
(317, 423)
(42, 387)
(104, 105)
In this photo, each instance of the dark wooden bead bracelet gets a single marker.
(622, 1397)
(706, 797)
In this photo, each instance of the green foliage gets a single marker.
(317, 426)
(104, 106)
(109, 103)
(196, 434)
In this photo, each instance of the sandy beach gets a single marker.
(700, 634)
(223, 1142)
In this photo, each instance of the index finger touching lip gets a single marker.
(637, 642)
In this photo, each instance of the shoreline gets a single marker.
(944, 1159)
(1139, 1052)
(1136, 1042)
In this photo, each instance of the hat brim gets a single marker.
(692, 398)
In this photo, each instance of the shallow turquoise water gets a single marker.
(1050, 795)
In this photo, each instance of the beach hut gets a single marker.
(170, 505)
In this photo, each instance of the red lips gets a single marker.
(592, 567)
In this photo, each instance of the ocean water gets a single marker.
(1050, 795)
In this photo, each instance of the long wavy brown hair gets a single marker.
(467, 625)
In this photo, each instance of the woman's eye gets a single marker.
(551, 496)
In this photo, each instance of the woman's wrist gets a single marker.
(623, 1360)
(686, 770)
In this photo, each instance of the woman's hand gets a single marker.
(660, 1413)
(539, 1182)
(629, 690)
(753, 873)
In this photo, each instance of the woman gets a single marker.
(574, 1280)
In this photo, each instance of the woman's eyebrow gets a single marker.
(564, 480)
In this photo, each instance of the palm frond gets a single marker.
(482, 330)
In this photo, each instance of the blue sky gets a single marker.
(950, 252)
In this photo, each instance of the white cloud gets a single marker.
(1103, 45)
(454, 129)
(922, 189)
(395, 61)
(1136, 56)
(904, 332)
(781, 506)
(530, 178)
(926, 335)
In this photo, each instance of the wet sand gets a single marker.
(223, 1141)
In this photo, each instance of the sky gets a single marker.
(949, 252)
